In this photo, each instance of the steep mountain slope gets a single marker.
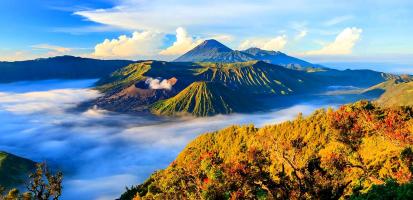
(213, 51)
(14, 170)
(203, 99)
(256, 77)
(328, 155)
(61, 67)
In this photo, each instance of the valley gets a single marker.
(101, 151)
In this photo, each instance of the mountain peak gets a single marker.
(212, 44)
(212, 50)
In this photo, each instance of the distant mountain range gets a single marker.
(61, 67)
(214, 51)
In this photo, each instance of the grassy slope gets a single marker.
(255, 77)
(394, 92)
(14, 170)
(400, 94)
(202, 99)
(124, 77)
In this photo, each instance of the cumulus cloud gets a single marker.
(272, 44)
(342, 45)
(55, 48)
(140, 44)
(183, 43)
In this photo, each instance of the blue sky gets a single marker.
(318, 30)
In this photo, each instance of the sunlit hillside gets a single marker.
(331, 154)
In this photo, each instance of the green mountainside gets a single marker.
(256, 77)
(332, 154)
(126, 90)
(202, 99)
(249, 77)
(124, 77)
(14, 170)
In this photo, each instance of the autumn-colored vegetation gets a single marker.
(358, 151)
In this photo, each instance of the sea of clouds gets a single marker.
(101, 152)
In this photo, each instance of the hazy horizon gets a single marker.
(319, 31)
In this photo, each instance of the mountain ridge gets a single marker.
(59, 67)
(202, 99)
(214, 51)
(123, 91)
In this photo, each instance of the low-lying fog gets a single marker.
(100, 152)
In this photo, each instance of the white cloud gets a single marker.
(161, 16)
(54, 48)
(342, 45)
(140, 44)
(273, 44)
(301, 34)
(44, 101)
(183, 43)
(337, 20)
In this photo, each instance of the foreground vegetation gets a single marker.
(42, 185)
(359, 151)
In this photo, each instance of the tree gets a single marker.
(44, 185)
